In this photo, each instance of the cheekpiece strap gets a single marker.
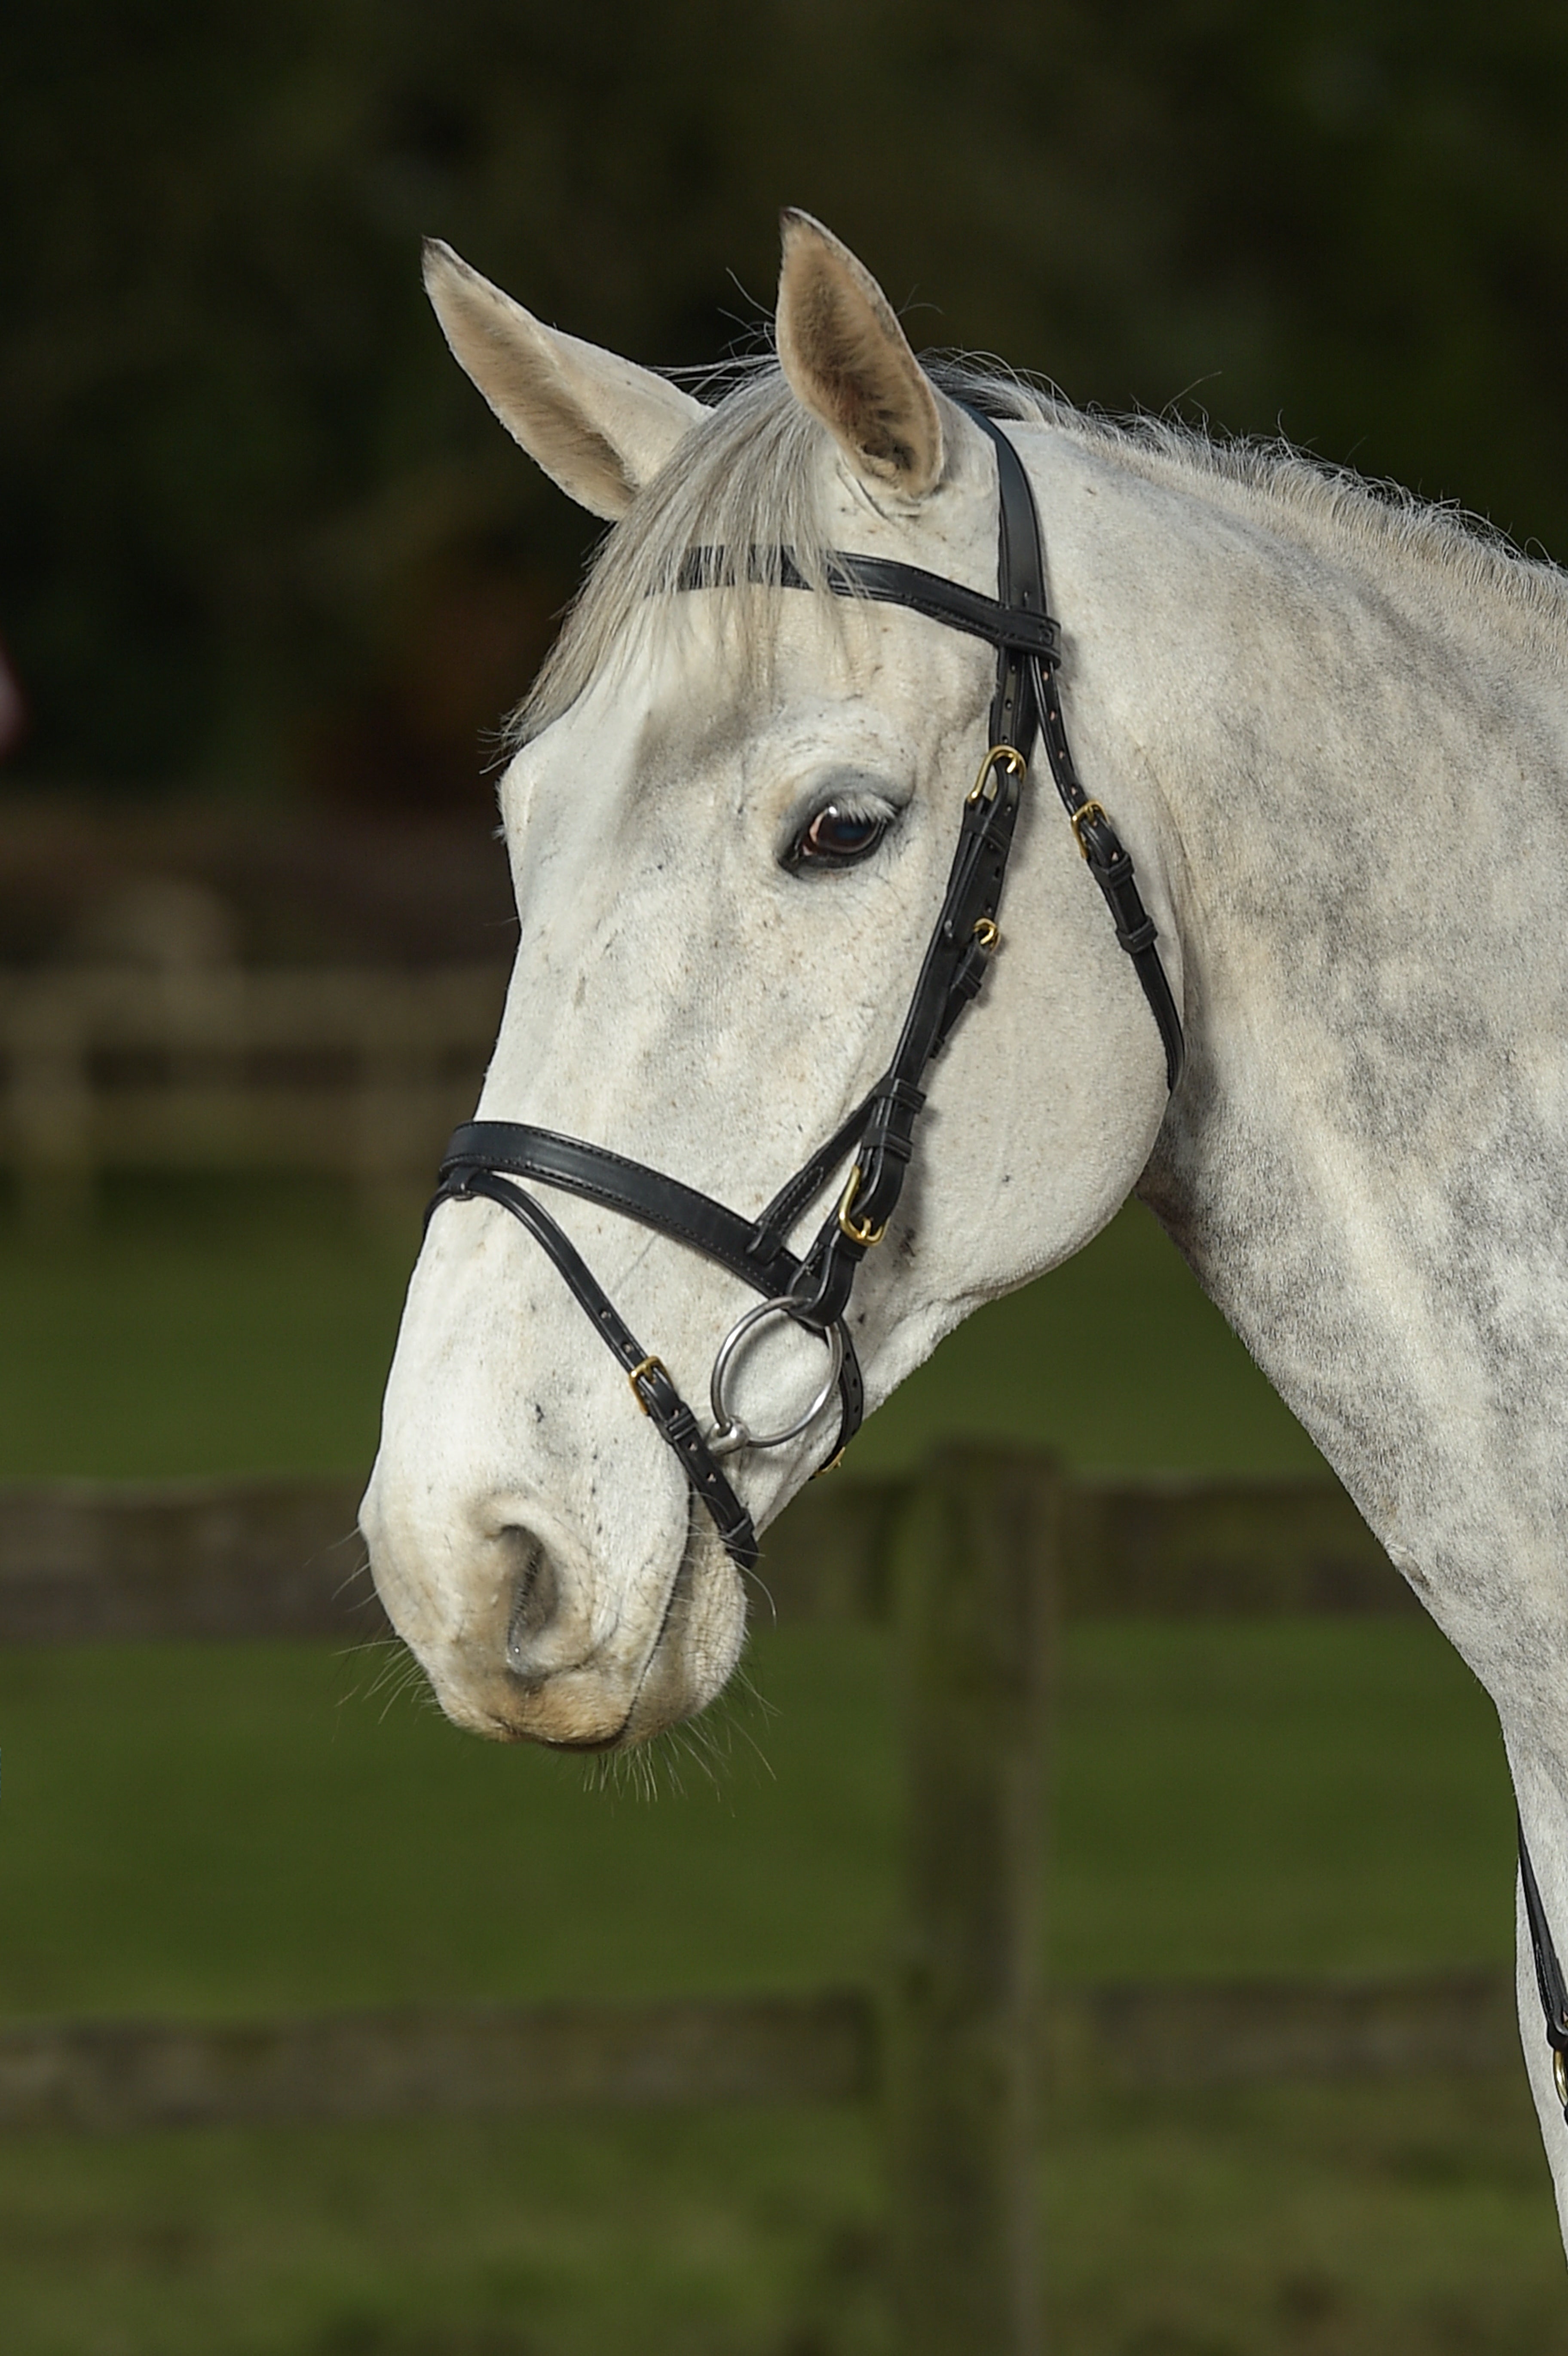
(967, 934)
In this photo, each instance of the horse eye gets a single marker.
(837, 837)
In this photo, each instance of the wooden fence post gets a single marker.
(975, 1604)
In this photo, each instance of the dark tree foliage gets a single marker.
(257, 529)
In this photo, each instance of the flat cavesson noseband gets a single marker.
(485, 1158)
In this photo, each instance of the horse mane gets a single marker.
(749, 477)
(1333, 506)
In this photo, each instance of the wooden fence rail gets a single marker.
(970, 1563)
(124, 2076)
(85, 1561)
(360, 1071)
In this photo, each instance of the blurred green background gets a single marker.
(260, 535)
(235, 1831)
(268, 572)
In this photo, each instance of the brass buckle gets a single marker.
(1000, 756)
(649, 1366)
(1560, 2076)
(1078, 818)
(859, 1231)
(987, 932)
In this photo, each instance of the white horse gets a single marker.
(1332, 728)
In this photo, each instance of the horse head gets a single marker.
(731, 814)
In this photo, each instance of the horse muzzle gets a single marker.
(526, 1639)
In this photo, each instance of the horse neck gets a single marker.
(1366, 1163)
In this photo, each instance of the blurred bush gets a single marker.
(258, 531)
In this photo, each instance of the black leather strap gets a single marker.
(888, 582)
(754, 1251)
(647, 1195)
(1110, 862)
(1020, 580)
(960, 946)
(1110, 865)
(796, 1195)
(478, 1149)
(950, 977)
(1549, 1980)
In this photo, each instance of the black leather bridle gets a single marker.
(485, 1158)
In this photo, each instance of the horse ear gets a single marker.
(598, 425)
(848, 359)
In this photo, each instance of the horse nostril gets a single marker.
(534, 1596)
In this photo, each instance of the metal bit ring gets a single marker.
(730, 1433)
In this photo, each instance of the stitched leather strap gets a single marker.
(631, 1187)
(960, 948)
(1027, 699)
(887, 583)
(950, 977)
(1110, 865)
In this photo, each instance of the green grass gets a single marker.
(230, 1830)
(220, 1326)
(233, 1830)
(192, 1829)
(1378, 2220)
(221, 1831)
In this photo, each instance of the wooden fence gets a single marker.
(84, 1561)
(971, 1565)
(215, 1067)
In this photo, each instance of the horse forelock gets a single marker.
(749, 475)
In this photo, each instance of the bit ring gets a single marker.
(731, 1433)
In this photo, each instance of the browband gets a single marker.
(884, 582)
